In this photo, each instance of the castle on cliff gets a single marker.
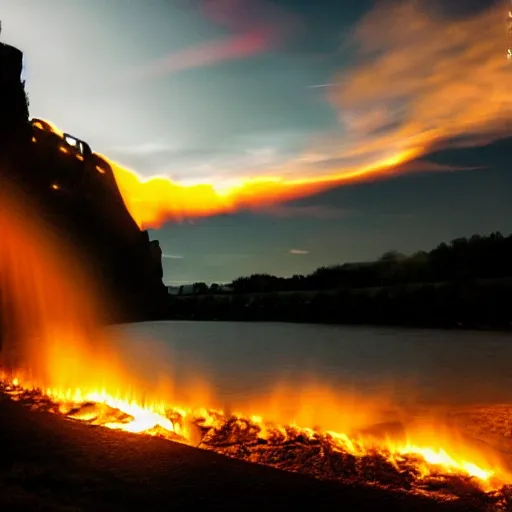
(76, 192)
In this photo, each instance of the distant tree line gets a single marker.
(478, 257)
(466, 283)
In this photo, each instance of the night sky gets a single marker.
(209, 90)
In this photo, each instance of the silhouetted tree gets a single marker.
(200, 288)
(463, 259)
(460, 283)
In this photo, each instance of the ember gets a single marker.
(326, 455)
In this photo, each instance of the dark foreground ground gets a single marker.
(49, 463)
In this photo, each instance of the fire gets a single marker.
(219, 431)
(57, 358)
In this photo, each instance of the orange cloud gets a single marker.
(424, 80)
(154, 201)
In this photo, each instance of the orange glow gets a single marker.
(54, 348)
(431, 452)
(153, 201)
(156, 200)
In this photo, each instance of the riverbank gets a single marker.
(475, 304)
(49, 463)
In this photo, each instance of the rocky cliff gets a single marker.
(76, 192)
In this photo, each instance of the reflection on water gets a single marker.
(243, 360)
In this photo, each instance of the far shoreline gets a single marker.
(503, 330)
(475, 305)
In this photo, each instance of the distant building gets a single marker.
(173, 290)
(184, 289)
(190, 289)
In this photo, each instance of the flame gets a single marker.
(442, 457)
(56, 356)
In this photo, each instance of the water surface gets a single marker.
(241, 360)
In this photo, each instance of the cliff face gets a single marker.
(76, 191)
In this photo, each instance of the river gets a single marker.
(239, 361)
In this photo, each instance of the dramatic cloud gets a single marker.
(418, 83)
